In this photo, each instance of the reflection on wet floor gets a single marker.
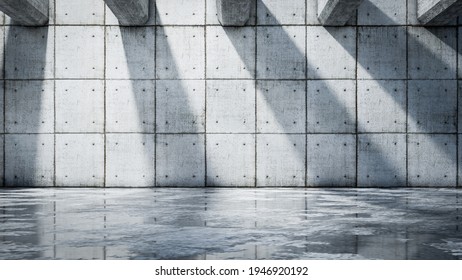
(230, 224)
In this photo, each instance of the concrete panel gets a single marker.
(412, 12)
(230, 106)
(29, 107)
(381, 106)
(2, 162)
(79, 12)
(281, 107)
(281, 160)
(432, 106)
(2, 50)
(331, 106)
(212, 13)
(312, 12)
(459, 158)
(180, 160)
(331, 160)
(180, 53)
(335, 61)
(275, 12)
(231, 160)
(130, 106)
(192, 12)
(111, 19)
(2, 107)
(238, 43)
(29, 52)
(29, 160)
(382, 160)
(180, 106)
(382, 53)
(432, 160)
(459, 117)
(129, 160)
(130, 52)
(281, 52)
(432, 53)
(79, 52)
(379, 12)
(459, 51)
(80, 160)
(79, 106)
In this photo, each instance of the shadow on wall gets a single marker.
(173, 110)
(281, 65)
(425, 104)
(29, 106)
(180, 107)
(280, 104)
(176, 114)
(130, 106)
(382, 156)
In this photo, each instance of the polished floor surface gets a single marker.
(230, 224)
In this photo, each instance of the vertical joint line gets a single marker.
(306, 100)
(255, 96)
(356, 102)
(54, 103)
(407, 101)
(457, 107)
(4, 104)
(205, 95)
(54, 90)
(155, 90)
(104, 95)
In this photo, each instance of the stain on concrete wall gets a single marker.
(182, 101)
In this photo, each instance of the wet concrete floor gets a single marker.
(230, 224)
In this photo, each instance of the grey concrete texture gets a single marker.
(233, 12)
(26, 12)
(130, 12)
(438, 12)
(183, 101)
(337, 12)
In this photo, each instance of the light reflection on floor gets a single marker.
(230, 224)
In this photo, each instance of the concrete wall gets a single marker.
(185, 102)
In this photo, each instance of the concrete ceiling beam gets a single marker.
(438, 12)
(26, 12)
(233, 12)
(336, 12)
(130, 12)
